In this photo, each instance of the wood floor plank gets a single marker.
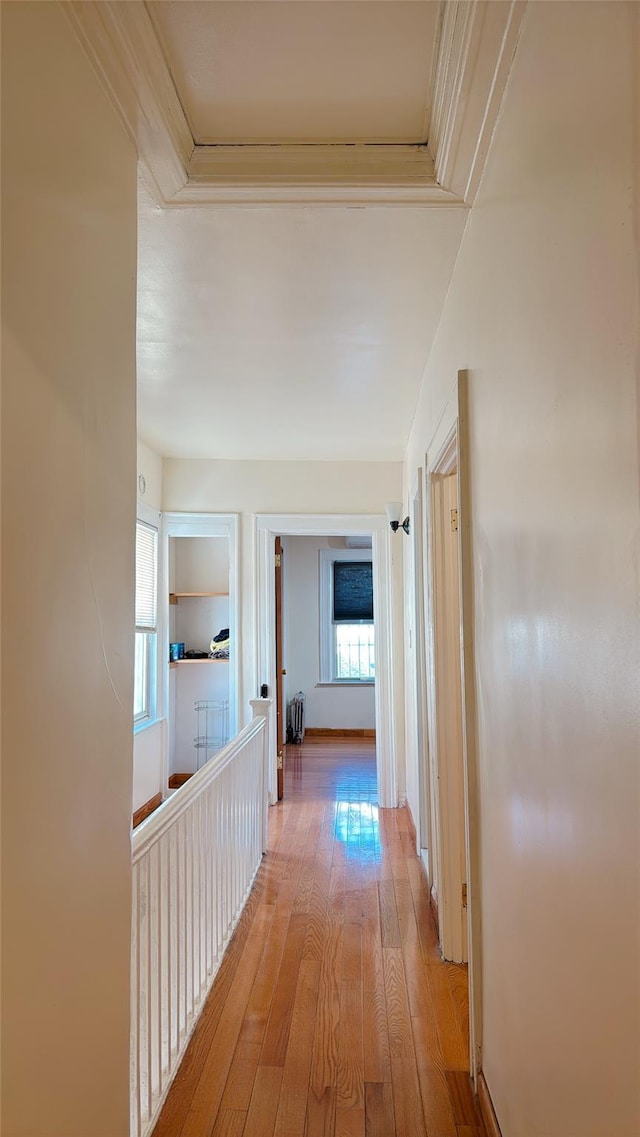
(352, 953)
(458, 979)
(324, 1060)
(407, 1102)
(229, 1123)
(260, 999)
(455, 1048)
(276, 1039)
(378, 1110)
(264, 1102)
(389, 915)
(437, 1106)
(377, 1061)
(239, 1084)
(350, 1123)
(292, 1106)
(463, 1101)
(350, 1072)
(321, 1113)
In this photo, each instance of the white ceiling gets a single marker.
(291, 332)
(274, 71)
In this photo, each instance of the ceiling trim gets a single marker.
(335, 174)
(121, 44)
(476, 43)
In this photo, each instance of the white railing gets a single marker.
(194, 862)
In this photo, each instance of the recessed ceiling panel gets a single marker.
(300, 71)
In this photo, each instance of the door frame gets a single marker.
(270, 525)
(449, 449)
(417, 577)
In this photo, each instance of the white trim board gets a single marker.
(267, 528)
(448, 450)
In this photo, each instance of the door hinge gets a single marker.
(464, 896)
(454, 520)
(278, 560)
(280, 760)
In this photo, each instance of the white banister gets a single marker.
(194, 862)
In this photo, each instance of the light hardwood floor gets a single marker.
(332, 1014)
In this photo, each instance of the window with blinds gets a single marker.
(347, 630)
(146, 577)
(146, 622)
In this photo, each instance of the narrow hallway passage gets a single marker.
(332, 1014)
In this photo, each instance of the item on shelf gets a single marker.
(193, 653)
(219, 646)
(174, 653)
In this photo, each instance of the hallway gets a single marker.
(332, 1013)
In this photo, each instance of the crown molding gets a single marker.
(122, 47)
(311, 164)
(476, 45)
(212, 192)
(473, 54)
(334, 174)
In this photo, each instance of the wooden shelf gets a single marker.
(176, 663)
(174, 597)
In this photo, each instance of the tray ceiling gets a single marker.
(280, 71)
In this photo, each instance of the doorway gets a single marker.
(201, 668)
(268, 527)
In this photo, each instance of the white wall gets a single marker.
(325, 706)
(149, 468)
(68, 440)
(276, 487)
(542, 310)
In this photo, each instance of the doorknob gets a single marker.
(283, 671)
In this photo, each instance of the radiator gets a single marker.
(295, 725)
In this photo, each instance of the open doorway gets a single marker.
(334, 528)
(325, 640)
(200, 651)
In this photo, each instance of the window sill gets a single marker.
(145, 724)
(347, 683)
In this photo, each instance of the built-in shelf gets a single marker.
(177, 662)
(174, 597)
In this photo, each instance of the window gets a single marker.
(146, 622)
(354, 652)
(347, 632)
